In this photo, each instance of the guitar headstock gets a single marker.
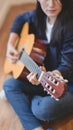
(53, 85)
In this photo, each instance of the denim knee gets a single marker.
(11, 85)
(39, 109)
(47, 108)
(20, 103)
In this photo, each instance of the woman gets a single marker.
(52, 23)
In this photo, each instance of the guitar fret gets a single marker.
(30, 64)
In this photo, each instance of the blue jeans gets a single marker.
(32, 104)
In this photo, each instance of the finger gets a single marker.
(29, 75)
(32, 78)
(43, 68)
(12, 57)
(35, 82)
(13, 50)
(12, 61)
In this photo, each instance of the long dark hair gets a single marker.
(63, 18)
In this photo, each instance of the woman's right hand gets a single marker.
(12, 54)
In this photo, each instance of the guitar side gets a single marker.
(26, 41)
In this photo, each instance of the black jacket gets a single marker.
(58, 57)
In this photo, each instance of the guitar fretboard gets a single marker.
(30, 64)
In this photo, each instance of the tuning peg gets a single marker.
(49, 78)
(48, 92)
(53, 81)
(44, 89)
(56, 99)
(57, 83)
(46, 85)
(53, 91)
(52, 96)
(50, 87)
(66, 81)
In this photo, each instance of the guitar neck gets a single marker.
(30, 64)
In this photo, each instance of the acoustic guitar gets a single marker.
(32, 55)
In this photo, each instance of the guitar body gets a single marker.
(26, 41)
(37, 52)
(28, 45)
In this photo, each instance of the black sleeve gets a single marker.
(66, 61)
(20, 20)
(18, 24)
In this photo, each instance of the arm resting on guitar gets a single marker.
(12, 54)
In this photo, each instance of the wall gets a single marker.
(5, 6)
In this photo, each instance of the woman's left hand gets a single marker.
(32, 79)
